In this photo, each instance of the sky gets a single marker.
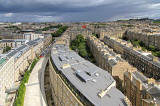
(77, 10)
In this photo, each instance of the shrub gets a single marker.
(22, 88)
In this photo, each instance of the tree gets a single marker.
(125, 38)
(80, 45)
(59, 31)
(151, 48)
(83, 53)
(141, 44)
(6, 49)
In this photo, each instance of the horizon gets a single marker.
(82, 21)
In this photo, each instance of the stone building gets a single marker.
(32, 36)
(144, 62)
(148, 37)
(14, 64)
(141, 90)
(13, 43)
(73, 32)
(6, 76)
(108, 60)
(47, 40)
(75, 81)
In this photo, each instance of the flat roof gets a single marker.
(140, 76)
(19, 50)
(12, 53)
(28, 30)
(12, 40)
(31, 43)
(92, 78)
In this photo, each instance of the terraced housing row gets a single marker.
(14, 64)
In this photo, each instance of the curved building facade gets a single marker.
(76, 82)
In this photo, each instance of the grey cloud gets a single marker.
(76, 10)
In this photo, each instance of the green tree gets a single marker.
(151, 48)
(83, 53)
(6, 49)
(59, 31)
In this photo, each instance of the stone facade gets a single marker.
(11, 43)
(108, 60)
(149, 38)
(144, 63)
(6, 77)
(15, 63)
(60, 91)
(140, 90)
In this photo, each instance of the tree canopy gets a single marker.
(80, 46)
(59, 31)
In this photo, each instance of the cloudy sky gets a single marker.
(76, 10)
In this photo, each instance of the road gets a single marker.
(35, 95)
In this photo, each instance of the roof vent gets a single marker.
(64, 66)
(83, 76)
(102, 93)
(96, 74)
(93, 80)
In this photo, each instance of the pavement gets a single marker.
(35, 94)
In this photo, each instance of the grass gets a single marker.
(22, 88)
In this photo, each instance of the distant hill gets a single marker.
(141, 19)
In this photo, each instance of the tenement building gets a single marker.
(144, 62)
(147, 36)
(31, 35)
(14, 64)
(77, 82)
(6, 76)
(73, 32)
(108, 60)
(141, 90)
(12, 42)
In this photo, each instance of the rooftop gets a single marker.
(147, 87)
(97, 85)
(16, 52)
(13, 40)
(144, 56)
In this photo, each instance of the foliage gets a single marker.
(156, 53)
(151, 48)
(142, 44)
(6, 49)
(50, 27)
(80, 46)
(21, 91)
(137, 43)
(13, 27)
(59, 31)
(156, 21)
(124, 38)
(96, 35)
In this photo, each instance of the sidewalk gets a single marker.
(34, 95)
